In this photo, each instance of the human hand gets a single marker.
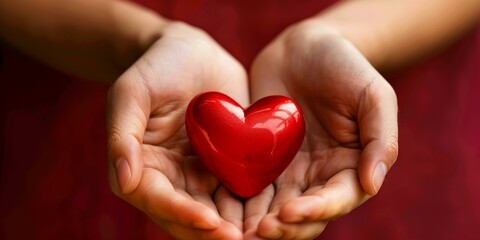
(351, 138)
(152, 165)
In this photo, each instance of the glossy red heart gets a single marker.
(245, 149)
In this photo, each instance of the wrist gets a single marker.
(135, 29)
(134, 35)
(305, 35)
(321, 29)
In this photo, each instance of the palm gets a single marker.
(172, 165)
(332, 149)
(329, 93)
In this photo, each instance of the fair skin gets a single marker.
(350, 110)
(351, 114)
(153, 166)
(329, 64)
(151, 163)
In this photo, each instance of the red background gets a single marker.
(53, 144)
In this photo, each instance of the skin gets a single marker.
(328, 63)
(158, 65)
(351, 118)
(89, 38)
(154, 167)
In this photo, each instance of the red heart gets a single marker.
(245, 149)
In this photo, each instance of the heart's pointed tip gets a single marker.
(249, 192)
(246, 195)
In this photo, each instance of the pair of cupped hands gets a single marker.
(350, 143)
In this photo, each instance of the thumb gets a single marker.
(128, 108)
(377, 119)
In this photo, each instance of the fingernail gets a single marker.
(378, 176)
(123, 173)
(210, 221)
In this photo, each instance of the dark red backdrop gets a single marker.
(53, 145)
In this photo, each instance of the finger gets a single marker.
(272, 228)
(269, 227)
(257, 207)
(302, 231)
(199, 183)
(127, 113)
(251, 234)
(264, 81)
(377, 118)
(236, 86)
(284, 193)
(229, 207)
(158, 199)
(204, 198)
(225, 230)
(340, 194)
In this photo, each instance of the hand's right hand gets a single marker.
(151, 163)
(351, 138)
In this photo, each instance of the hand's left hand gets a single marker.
(152, 165)
(351, 140)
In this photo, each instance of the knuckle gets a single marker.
(113, 134)
(392, 149)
